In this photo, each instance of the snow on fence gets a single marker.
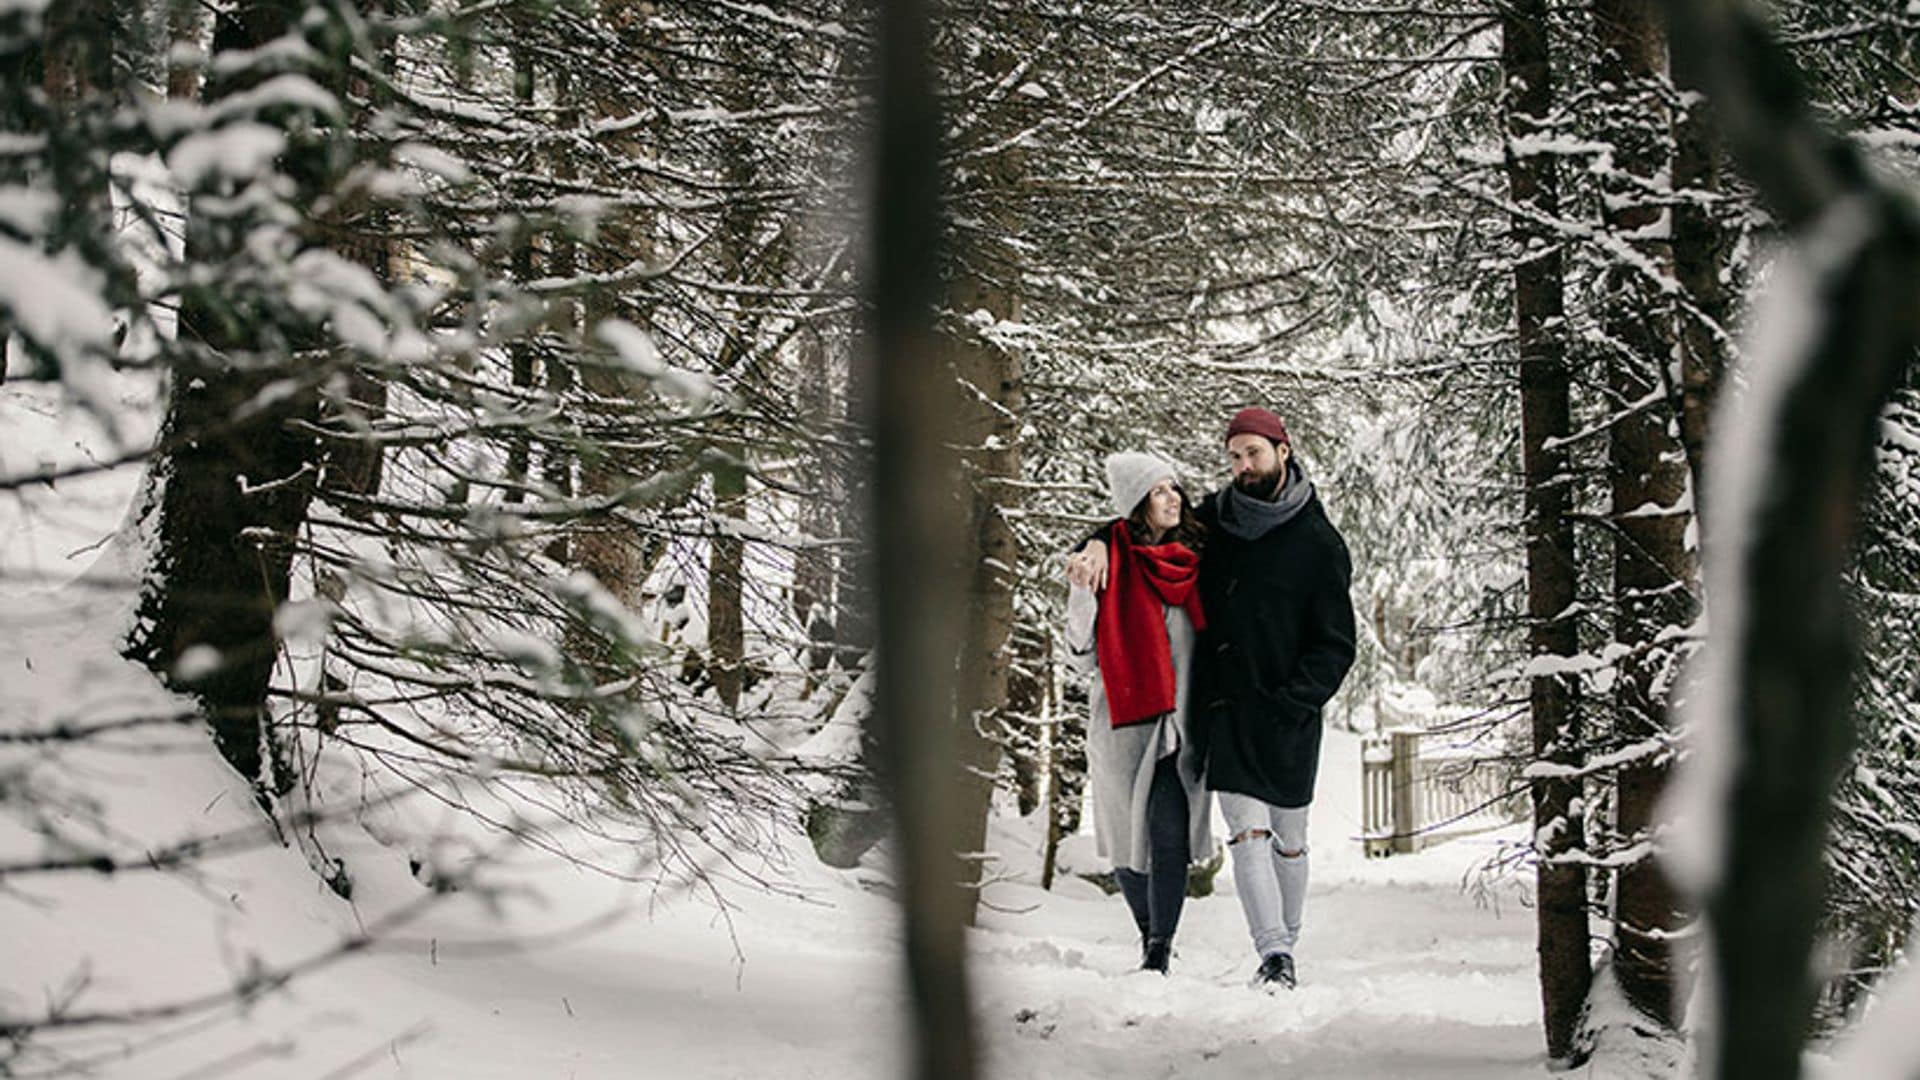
(1418, 790)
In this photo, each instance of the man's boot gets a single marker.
(1276, 970)
(1156, 954)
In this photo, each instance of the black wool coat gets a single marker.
(1278, 642)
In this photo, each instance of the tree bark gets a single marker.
(726, 569)
(1776, 560)
(1026, 717)
(77, 65)
(845, 826)
(1067, 787)
(812, 597)
(855, 607)
(356, 467)
(232, 489)
(72, 61)
(1545, 417)
(563, 329)
(520, 353)
(992, 403)
(186, 30)
(618, 559)
(1699, 260)
(726, 563)
(1647, 484)
(610, 551)
(917, 543)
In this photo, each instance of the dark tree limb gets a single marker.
(1645, 466)
(1552, 574)
(918, 529)
(1776, 558)
(233, 488)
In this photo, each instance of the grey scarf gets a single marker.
(1249, 518)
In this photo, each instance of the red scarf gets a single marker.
(1130, 632)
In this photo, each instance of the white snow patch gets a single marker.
(54, 301)
(635, 350)
(432, 159)
(28, 211)
(196, 662)
(1885, 1043)
(238, 152)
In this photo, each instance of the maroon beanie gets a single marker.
(1258, 422)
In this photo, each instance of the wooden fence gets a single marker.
(1417, 790)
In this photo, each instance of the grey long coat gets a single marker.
(1120, 761)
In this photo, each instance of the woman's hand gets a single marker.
(1087, 567)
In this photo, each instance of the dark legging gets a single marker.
(1157, 895)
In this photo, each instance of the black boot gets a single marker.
(1155, 954)
(1276, 970)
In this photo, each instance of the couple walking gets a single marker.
(1218, 629)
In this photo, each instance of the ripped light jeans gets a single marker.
(1272, 884)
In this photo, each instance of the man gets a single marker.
(1274, 578)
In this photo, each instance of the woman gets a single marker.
(1150, 811)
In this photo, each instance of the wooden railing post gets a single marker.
(1406, 752)
(1376, 796)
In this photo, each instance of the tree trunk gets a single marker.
(855, 607)
(72, 61)
(233, 488)
(186, 33)
(1545, 416)
(77, 65)
(618, 559)
(1647, 482)
(726, 622)
(993, 400)
(812, 597)
(1699, 260)
(562, 323)
(356, 467)
(520, 354)
(1068, 785)
(918, 543)
(846, 825)
(1026, 724)
(609, 551)
(1782, 648)
(726, 565)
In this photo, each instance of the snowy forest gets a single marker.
(533, 533)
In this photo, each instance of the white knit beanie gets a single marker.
(1130, 475)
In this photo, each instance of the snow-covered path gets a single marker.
(1399, 980)
(1403, 973)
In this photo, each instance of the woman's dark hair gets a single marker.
(1189, 531)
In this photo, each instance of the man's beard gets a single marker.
(1260, 485)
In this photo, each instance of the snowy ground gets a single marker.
(1404, 973)
(49, 532)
